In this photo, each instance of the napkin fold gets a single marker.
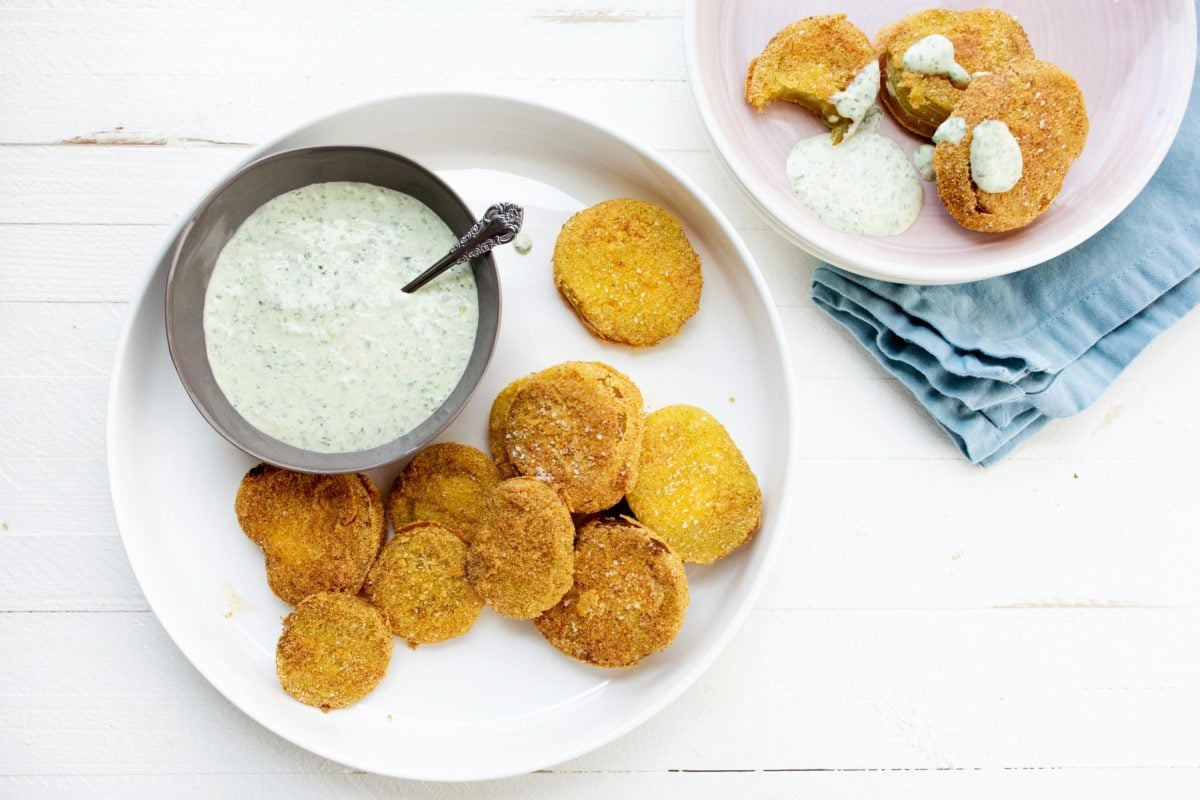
(995, 360)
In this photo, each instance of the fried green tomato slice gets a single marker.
(318, 532)
(578, 426)
(695, 489)
(807, 63)
(984, 39)
(628, 598)
(628, 271)
(447, 483)
(1044, 110)
(420, 581)
(521, 561)
(334, 650)
(498, 428)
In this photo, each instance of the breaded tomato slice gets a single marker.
(448, 483)
(1043, 108)
(420, 582)
(695, 489)
(498, 428)
(628, 271)
(984, 40)
(808, 63)
(318, 532)
(578, 426)
(334, 650)
(521, 561)
(627, 600)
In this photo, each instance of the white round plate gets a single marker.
(1134, 60)
(500, 700)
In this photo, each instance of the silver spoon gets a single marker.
(500, 224)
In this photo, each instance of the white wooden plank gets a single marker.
(904, 650)
(72, 264)
(62, 418)
(57, 340)
(122, 185)
(787, 728)
(872, 419)
(1100, 783)
(68, 572)
(888, 533)
(57, 496)
(212, 108)
(289, 41)
(1110, 689)
(787, 270)
(773, 728)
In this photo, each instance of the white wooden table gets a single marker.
(932, 629)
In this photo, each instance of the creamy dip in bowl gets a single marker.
(285, 318)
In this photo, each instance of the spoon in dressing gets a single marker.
(500, 225)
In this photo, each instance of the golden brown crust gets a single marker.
(628, 598)
(1044, 110)
(522, 559)
(420, 581)
(498, 428)
(985, 40)
(807, 63)
(335, 648)
(578, 425)
(447, 483)
(627, 269)
(695, 489)
(318, 532)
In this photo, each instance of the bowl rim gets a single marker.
(827, 245)
(297, 458)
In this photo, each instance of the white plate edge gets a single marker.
(782, 514)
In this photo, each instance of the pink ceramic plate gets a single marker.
(1133, 58)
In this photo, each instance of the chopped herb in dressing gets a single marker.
(856, 100)
(308, 332)
(865, 185)
(996, 161)
(934, 55)
(923, 160)
(952, 130)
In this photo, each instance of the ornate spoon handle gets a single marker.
(499, 225)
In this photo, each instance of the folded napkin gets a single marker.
(993, 361)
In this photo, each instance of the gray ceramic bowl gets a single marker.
(216, 220)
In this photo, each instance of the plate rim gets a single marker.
(781, 513)
(824, 246)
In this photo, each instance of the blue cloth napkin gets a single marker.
(995, 360)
